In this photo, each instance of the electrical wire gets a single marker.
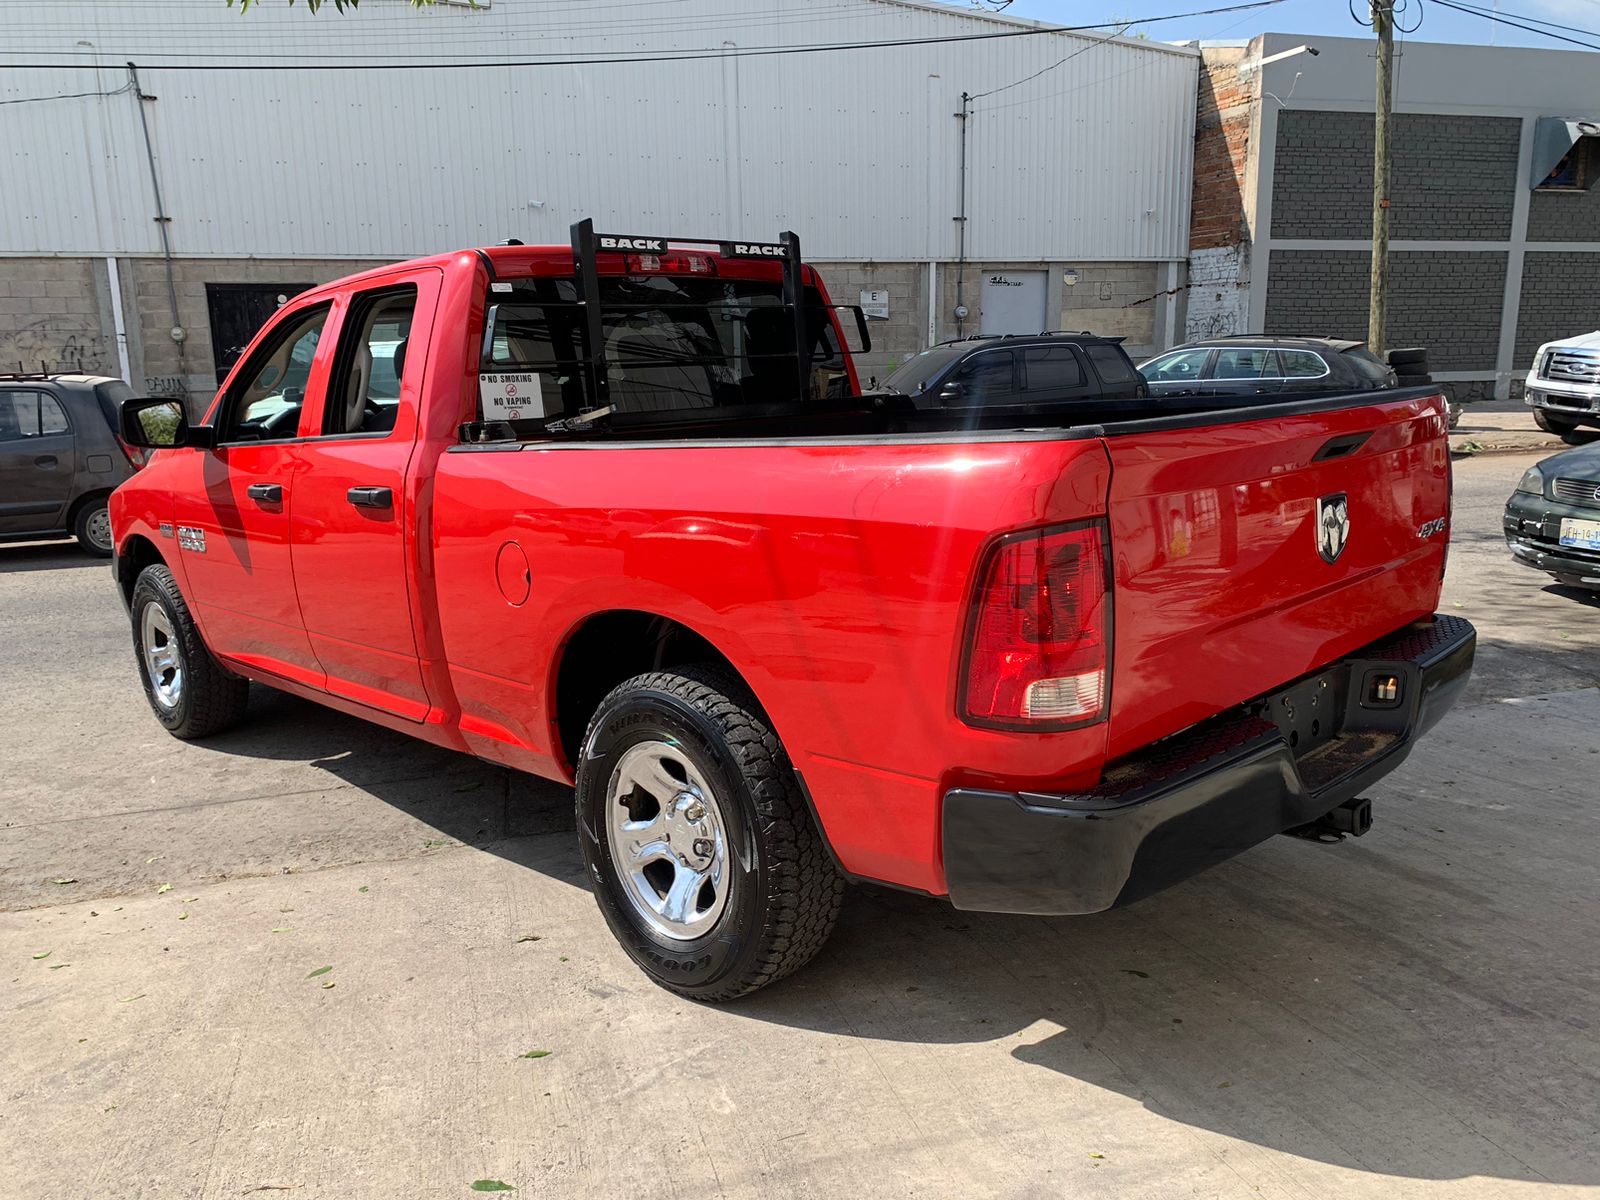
(680, 56)
(1506, 19)
(1494, 14)
(127, 87)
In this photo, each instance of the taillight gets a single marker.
(1038, 655)
(136, 455)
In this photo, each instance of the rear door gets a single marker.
(38, 460)
(1224, 587)
(352, 519)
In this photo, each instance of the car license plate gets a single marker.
(1583, 534)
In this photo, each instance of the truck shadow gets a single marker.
(47, 556)
(1341, 1004)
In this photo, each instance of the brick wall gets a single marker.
(1218, 295)
(1454, 177)
(1447, 302)
(1221, 150)
(51, 313)
(1560, 298)
(1564, 216)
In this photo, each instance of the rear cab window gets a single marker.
(673, 344)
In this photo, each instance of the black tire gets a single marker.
(784, 891)
(1409, 356)
(92, 527)
(1553, 425)
(209, 698)
(1404, 380)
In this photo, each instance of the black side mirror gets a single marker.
(160, 423)
(954, 390)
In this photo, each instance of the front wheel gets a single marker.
(704, 856)
(1553, 425)
(189, 691)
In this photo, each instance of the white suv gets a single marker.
(1563, 388)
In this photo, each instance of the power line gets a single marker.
(681, 56)
(127, 87)
(1493, 14)
(1506, 19)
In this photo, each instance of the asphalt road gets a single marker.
(1413, 1014)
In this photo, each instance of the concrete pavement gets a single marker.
(1411, 1014)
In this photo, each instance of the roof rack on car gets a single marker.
(43, 373)
(587, 245)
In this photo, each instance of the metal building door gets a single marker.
(1013, 302)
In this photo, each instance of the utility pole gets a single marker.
(1378, 308)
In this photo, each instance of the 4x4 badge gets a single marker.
(1333, 525)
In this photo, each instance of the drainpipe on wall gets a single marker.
(961, 220)
(118, 324)
(178, 333)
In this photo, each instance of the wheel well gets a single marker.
(88, 497)
(610, 647)
(133, 557)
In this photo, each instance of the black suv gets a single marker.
(61, 457)
(1016, 371)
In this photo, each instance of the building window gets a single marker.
(1577, 170)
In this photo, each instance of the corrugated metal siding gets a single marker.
(856, 150)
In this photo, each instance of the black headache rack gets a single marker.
(589, 362)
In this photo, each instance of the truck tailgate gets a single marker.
(1224, 588)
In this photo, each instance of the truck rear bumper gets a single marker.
(1201, 796)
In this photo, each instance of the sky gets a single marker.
(1324, 17)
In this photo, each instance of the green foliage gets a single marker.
(314, 5)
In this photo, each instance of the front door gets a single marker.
(232, 518)
(1013, 302)
(353, 517)
(38, 460)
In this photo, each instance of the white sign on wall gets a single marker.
(876, 304)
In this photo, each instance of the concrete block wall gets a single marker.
(1564, 216)
(1560, 298)
(1454, 177)
(55, 311)
(1114, 299)
(904, 333)
(1448, 302)
(162, 365)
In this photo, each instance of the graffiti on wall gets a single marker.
(1218, 293)
(51, 344)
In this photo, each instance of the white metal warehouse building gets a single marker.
(290, 149)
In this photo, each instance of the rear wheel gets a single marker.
(189, 691)
(92, 528)
(704, 857)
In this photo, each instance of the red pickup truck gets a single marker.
(618, 514)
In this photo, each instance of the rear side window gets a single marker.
(1242, 364)
(1367, 365)
(30, 414)
(1052, 369)
(1301, 364)
(1112, 363)
(364, 390)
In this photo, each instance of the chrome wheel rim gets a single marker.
(668, 840)
(163, 660)
(98, 529)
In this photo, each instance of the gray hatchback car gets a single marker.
(61, 457)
